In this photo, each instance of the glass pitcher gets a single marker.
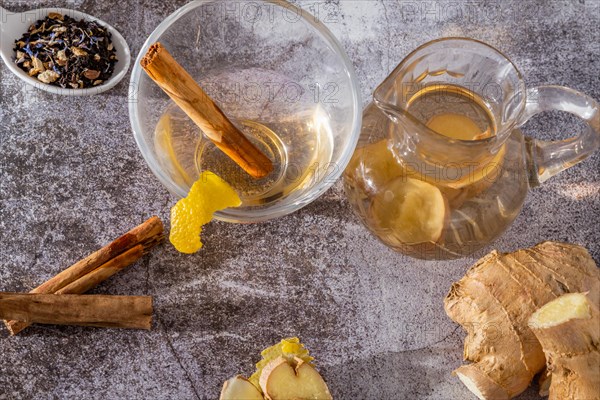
(442, 168)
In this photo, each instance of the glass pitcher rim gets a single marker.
(386, 105)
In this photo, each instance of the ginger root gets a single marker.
(239, 388)
(284, 372)
(568, 329)
(289, 349)
(282, 380)
(544, 383)
(494, 302)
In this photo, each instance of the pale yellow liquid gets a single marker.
(457, 113)
(299, 146)
(453, 111)
(455, 126)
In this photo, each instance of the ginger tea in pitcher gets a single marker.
(432, 212)
(442, 168)
(453, 111)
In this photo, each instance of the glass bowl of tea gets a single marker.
(282, 79)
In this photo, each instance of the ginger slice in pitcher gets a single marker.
(207, 196)
(412, 210)
(374, 165)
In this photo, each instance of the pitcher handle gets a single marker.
(548, 158)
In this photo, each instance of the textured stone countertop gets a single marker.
(72, 179)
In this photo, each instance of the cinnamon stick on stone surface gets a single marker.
(100, 265)
(103, 272)
(145, 234)
(189, 96)
(133, 312)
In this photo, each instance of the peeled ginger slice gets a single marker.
(565, 308)
(414, 210)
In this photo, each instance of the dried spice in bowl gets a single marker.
(62, 51)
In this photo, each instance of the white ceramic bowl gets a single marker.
(14, 25)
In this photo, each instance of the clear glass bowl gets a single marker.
(281, 77)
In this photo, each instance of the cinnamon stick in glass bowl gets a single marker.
(174, 80)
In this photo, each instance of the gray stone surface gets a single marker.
(72, 179)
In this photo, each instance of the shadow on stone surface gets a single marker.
(413, 374)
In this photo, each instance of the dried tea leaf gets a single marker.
(48, 76)
(20, 57)
(79, 52)
(33, 30)
(57, 16)
(61, 58)
(38, 66)
(91, 74)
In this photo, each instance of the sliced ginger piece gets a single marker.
(289, 349)
(416, 211)
(568, 329)
(374, 165)
(566, 307)
(284, 373)
(480, 175)
(239, 388)
(284, 380)
(207, 196)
